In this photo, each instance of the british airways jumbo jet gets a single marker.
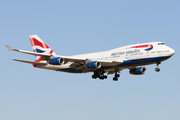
(132, 57)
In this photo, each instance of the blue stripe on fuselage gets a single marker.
(148, 49)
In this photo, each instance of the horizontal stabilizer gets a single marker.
(28, 52)
(30, 62)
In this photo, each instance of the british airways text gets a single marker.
(125, 52)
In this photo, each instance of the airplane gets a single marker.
(133, 57)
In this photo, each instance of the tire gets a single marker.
(105, 77)
(94, 77)
(115, 79)
(117, 75)
(157, 69)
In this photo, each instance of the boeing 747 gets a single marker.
(132, 57)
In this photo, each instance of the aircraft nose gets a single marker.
(172, 52)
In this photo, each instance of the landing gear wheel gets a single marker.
(101, 77)
(94, 76)
(99, 74)
(117, 75)
(105, 77)
(115, 79)
(157, 64)
(157, 69)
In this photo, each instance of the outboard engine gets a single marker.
(56, 61)
(93, 65)
(138, 71)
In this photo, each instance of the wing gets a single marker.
(28, 52)
(80, 63)
(71, 59)
(77, 63)
(85, 60)
(30, 62)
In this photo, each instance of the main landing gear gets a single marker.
(100, 75)
(157, 64)
(116, 76)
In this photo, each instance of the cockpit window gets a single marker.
(160, 43)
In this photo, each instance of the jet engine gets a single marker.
(93, 65)
(56, 61)
(138, 71)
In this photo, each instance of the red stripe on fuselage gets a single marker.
(142, 46)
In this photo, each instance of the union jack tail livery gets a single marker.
(39, 46)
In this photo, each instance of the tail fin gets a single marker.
(39, 46)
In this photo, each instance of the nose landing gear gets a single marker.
(157, 64)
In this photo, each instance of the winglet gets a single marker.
(9, 48)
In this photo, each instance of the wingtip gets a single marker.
(9, 48)
(14, 59)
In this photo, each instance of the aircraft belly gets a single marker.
(125, 65)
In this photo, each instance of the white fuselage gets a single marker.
(131, 56)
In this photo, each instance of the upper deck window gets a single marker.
(160, 43)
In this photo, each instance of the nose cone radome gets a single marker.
(172, 52)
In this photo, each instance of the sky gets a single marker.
(76, 27)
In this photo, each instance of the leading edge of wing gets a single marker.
(30, 62)
(86, 60)
(111, 61)
(72, 59)
(27, 52)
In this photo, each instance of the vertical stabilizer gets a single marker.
(39, 46)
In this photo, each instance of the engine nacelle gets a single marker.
(138, 71)
(93, 65)
(56, 61)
